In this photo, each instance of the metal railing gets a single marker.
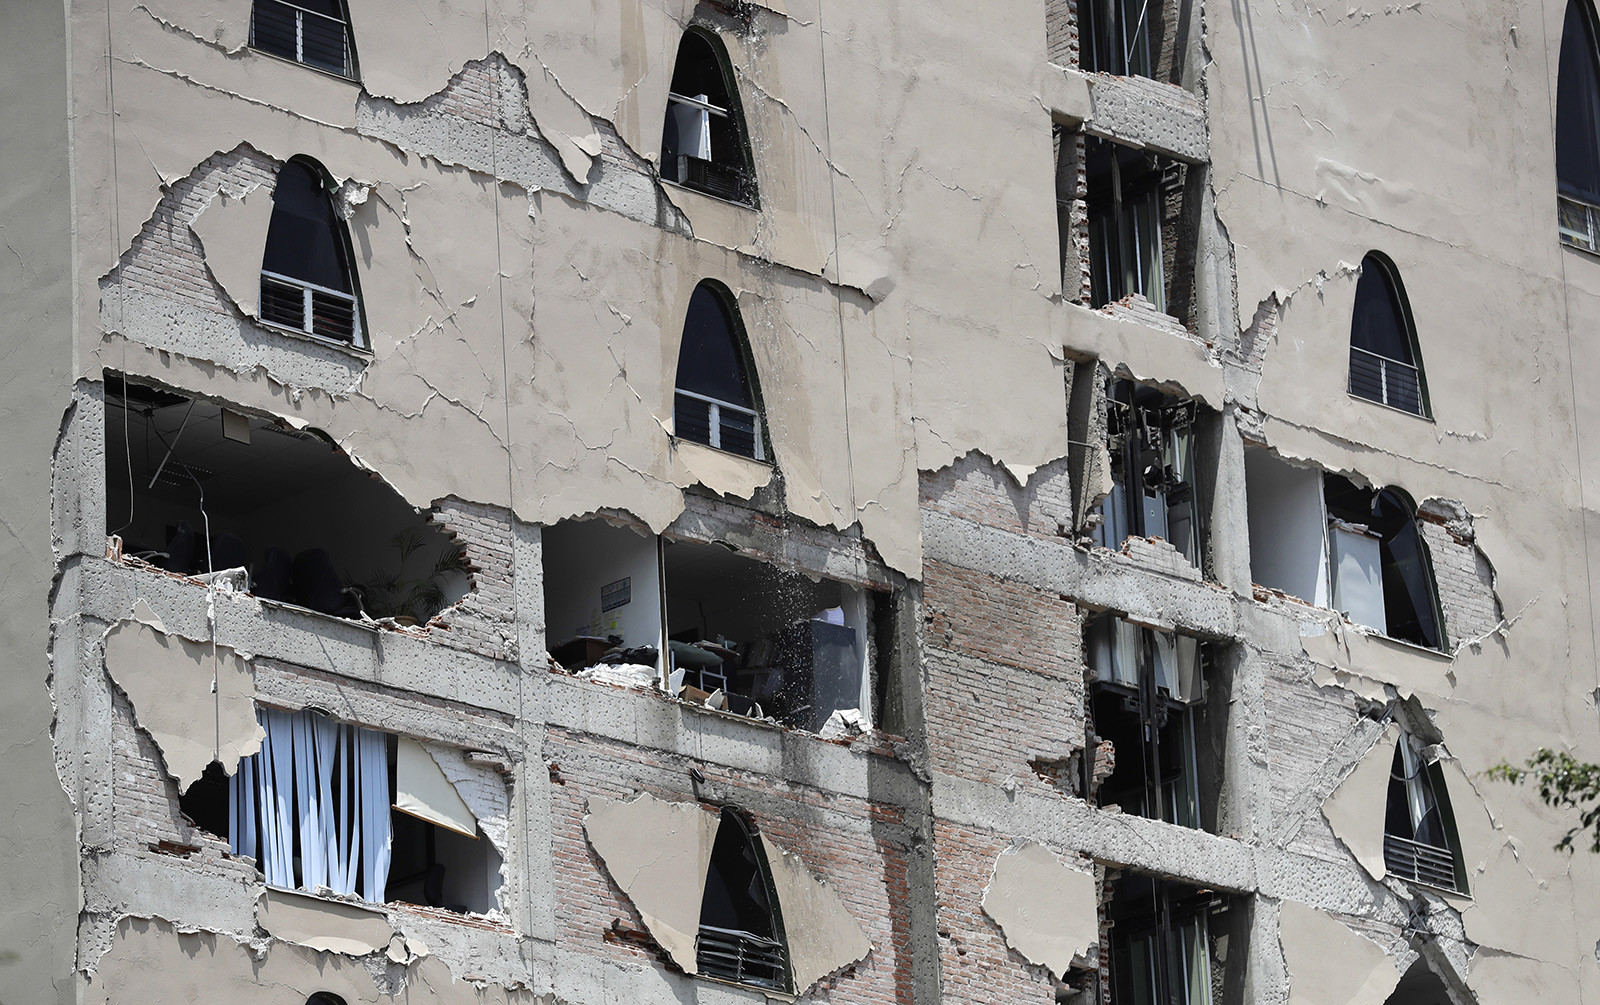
(1386, 381)
(305, 36)
(741, 957)
(1579, 223)
(309, 308)
(1420, 863)
(718, 423)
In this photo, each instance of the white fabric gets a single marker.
(326, 783)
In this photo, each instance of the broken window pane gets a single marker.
(1578, 107)
(741, 934)
(1151, 441)
(195, 488)
(703, 139)
(1125, 211)
(1383, 363)
(1381, 574)
(714, 403)
(1144, 699)
(1419, 841)
(306, 282)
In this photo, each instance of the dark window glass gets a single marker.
(1116, 36)
(1379, 324)
(741, 931)
(699, 71)
(709, 361)
(1578, 107)
(305, 240)
(313, 32)
(1125, 208)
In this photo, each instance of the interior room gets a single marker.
(195, 487)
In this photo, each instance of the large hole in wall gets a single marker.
(194, 487)
(774, 642)
(348, 789)
(1171, 942)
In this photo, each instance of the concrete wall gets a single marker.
(39, 833)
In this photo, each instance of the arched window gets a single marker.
(1385, 365)
(313, 32)
(715, 402)
(741, 929)
(703, 143)
(1419, 832)
(306, 280)
(1578, 130)
(1382, 577)
(324, 998)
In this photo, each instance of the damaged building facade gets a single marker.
(618, 501)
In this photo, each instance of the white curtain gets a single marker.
(313, 806)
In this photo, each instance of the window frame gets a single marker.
(1400, 304)
(1424, 556)
(779, 941)
(352, 63)
(359, 342)
(742, 353)
(1422, 777)
(749, 191)
(1123, 511)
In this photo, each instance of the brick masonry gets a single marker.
(483, 621)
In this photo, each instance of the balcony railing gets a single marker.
(1418, 862)
(721, 424)
(305, 36)
(1386, 381)
(1579, 222)
(309, 308)
(741, 957)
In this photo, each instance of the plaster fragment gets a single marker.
(658, 853)
(822, 935)
(1355, 810)
(1047, 910)
(169, 680)
(1328, 963)
(325, 925)
(233, 233)
(721, 472)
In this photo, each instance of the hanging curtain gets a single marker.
(313, 806)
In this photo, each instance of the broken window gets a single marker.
(714, 401)
(1146, 698)
(1419, 834)
(703, 144)
(335, 806)
(1385, 365)
(1420, 986)
(313, 32)
(1578, 130)
(1379, 566)
(196, 488)
(739, 633)
(1150, 437)
(1162, 948)
(741, 936)
(1322, 538)
(1126, 206)
(306, 281)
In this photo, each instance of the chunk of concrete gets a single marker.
(1047, 910)
(169, 680)
(822, 935)
(1329, 964)
(1355, 810)
(326, 925)
(233, 236)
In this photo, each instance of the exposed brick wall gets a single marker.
(1072, 216)
(975, 964)
(858, 848)
(975, 488)
(1061, 32)
(166, 258)
(484, 621)
(1304, 725)
(1004, 669)
(1262, 331)
(1465, 583)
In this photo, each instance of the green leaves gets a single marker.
(1564, 783)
